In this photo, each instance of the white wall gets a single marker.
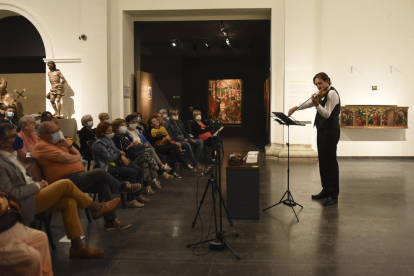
(371, 35)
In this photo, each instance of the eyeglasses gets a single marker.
(52, 132)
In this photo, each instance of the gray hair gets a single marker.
(173, 109)
(162, 110)
(85, 119)
(4, 128)
(24, 120)
(44, 128)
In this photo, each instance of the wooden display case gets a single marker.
(374, 116)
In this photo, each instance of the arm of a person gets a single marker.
(21, 192)
(185, 133)
(307, 104)
(144, 140)
(21, 156)
(172, 134)
(100, 150)
(68, 158)
(331, 102)
(62, 77)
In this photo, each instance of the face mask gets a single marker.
(18, 143)
(198, 117)
(165, 116)
(108, 121)
(133, 126)
(175, 118)
(122, 129)
(138, 119)
(37, 122)
(90, 124)
(110, 136)
(10, 114)
(56, 137)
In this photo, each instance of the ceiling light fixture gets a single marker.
(223, 30)
(174, 42)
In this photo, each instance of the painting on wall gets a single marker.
(225, 100)
(347, 117)
(374, 116)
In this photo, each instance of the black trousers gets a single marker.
(174, 155)
(97, 181)
(327, 141)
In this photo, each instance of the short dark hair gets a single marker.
(173, 109)
(102, 127)
(323, 76)
(152, 117)
(3, 130)
(10, 106)
(130, 117)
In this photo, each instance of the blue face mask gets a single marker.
(10, 114)
(165, 116)
(18, 143)
(138, 119)
(56, 137)
(90, 124)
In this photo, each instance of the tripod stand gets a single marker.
(289, 201)
(219, 242)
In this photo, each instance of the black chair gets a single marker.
(38, 222)
(87, 158)
(123, 195)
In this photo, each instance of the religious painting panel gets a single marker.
(361, 117)
(347, 116)
(225, 100)
(401, 117)
(388, 117)
(374, 116)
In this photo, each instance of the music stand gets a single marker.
(289, 201)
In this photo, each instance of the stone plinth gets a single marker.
(302, 152)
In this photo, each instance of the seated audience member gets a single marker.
(86, 134)
(60, 160)
(141, 152)
(164, 115)
(37, 119)
(9, 117)
(163, 144)
(28, 139)
(35, 198)
(160, 121)
(140, 125)
(175, 128)
(201, 130)
(104, 117)
(108, 157)
(47, 116)
(24, 251)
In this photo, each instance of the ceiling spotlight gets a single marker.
(228, 41)
(222, 29)
(225, 34)
(174, 42)
(206, 44)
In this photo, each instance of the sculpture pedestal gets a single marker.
(68, 128)
(298, 152)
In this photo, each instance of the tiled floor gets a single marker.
(370, 231)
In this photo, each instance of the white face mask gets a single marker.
(37, 122)
(90, 124)
(122, 129)
(175, 118)
(198, 117)
(10, 114)
(110, 136)
(138, 119)
(108, 121)
(133, 126)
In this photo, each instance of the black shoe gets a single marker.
(321, 195)
(330, 201)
